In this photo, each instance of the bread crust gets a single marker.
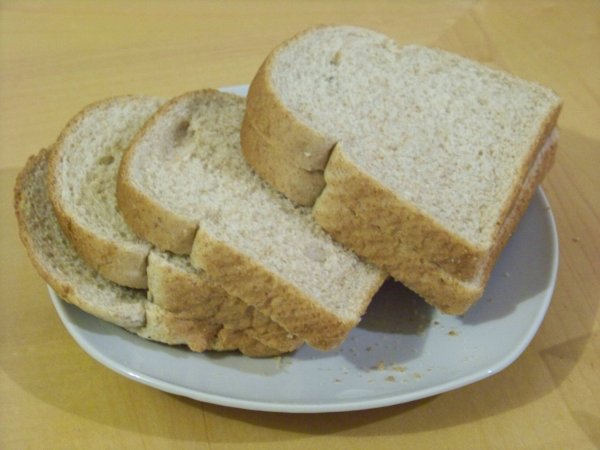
(245, 278)
(147, 217)
(388, 222)
(188, 308)
(123, 265)
(305, 147)
(299, 185)
(549, 123)
(169, 328)
(197, 334)
(195, 296)
(287, 153)
(534, 178)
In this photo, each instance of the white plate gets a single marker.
(402, 350)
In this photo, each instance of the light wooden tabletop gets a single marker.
(56, 57)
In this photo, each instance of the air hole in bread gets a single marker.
(316, 253)
(336, 59)
(106, 160)
(181, 131)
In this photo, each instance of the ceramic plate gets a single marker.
(401, 351)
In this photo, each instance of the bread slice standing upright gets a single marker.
(184, 186)
(419, 160)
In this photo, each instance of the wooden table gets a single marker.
(55, 57)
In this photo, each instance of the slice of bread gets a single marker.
(338, 214)
(184, 186)
(82, 179)
(425, 150)
(60, 266)
(82, 174)
(56, 260)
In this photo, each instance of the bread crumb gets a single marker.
(398, 368)
(416, 375)
(380, 365)
(337, 380)
(390, 378)
(575, 239)
(452, 333)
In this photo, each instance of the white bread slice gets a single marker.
(82, 172)
(56, 260)
(184, 185)
(431, 149)
(448, 293)
(82, 179)
(60, 266)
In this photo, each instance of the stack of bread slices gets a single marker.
(261, 224)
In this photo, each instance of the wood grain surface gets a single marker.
(57, 56)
